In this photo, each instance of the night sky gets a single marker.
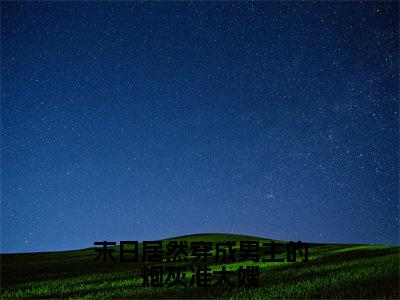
(140, 121)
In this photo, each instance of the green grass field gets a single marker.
(333, 271)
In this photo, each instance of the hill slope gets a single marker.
(333, 271)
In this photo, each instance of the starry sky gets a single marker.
(140, 121)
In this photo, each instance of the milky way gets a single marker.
(140, 121)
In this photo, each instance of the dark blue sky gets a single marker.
(134, 121)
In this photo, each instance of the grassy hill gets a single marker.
(333, 271)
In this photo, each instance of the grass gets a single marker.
(333, 271)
